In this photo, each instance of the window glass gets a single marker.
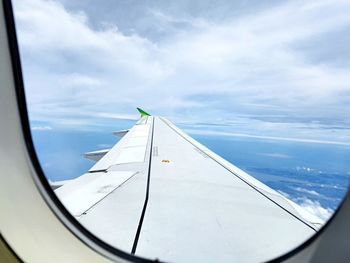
(264, 85)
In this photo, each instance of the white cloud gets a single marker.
(81, 80)
(243, 135)
(303, 190)
(284, 194)
(41, 128)
(311, 206)
(117, 116)
(250, 61)
(276, 155)
(315, 208)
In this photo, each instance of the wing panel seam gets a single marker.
(137, 236)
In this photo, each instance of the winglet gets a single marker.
(143, 113)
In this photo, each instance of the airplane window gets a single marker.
(191, 130)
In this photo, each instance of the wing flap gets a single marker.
(86, 191)
(130, 149)
(96, 155)
(120, 133)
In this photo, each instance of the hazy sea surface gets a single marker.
(316, 176)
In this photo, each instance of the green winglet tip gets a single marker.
(143, 113)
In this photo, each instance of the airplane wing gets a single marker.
(159, 193)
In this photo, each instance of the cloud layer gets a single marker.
(276, 66)
(315, 208)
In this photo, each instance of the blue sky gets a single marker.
(258, 68)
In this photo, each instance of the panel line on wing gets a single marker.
(137, 236)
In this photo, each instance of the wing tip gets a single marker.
(142, 112)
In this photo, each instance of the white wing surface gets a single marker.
(158, 193)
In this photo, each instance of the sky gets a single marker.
(276, 69)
